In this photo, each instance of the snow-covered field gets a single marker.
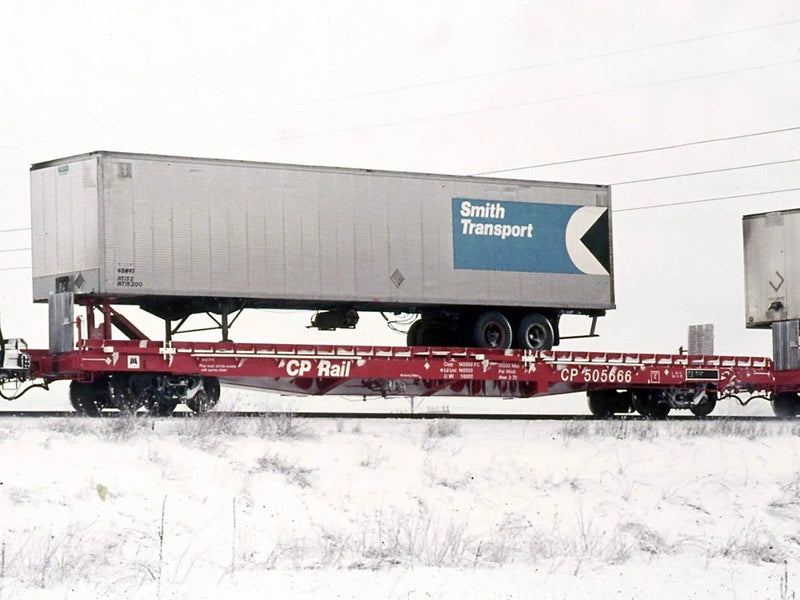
(281, 507)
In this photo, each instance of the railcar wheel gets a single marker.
(650, 404)
(212, 388)
(84, 398)
(607, 403)
(705, 406)
(200, 403)
(492, 330)
(786, 405)
(160, 406)
(600, 404)
(535, 332)
(122, 397)
(206, 398)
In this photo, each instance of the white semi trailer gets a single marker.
(484, 261)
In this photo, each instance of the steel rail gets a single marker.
(112, 414)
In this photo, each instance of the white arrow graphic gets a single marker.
(580, 222)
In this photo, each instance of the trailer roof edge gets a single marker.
(355, 170)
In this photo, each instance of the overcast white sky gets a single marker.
(452, 87)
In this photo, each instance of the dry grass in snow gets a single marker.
(209, 507)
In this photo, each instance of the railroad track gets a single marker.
(378, 416)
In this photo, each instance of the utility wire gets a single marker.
(718, 198)
(502, 107)
(643, 150)
(15, 268)
(13, 230)
(709, 171)
(517, 105)
(533, 66)
(15, 250)
(484, 75)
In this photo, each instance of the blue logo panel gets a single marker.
(511, 236)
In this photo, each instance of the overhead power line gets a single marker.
(644, 150)
(473, 77)
(15, 250)
(500, 107)
(718, 198)
(533, 66)
(13, 230)
(709, 171)
(518, 105)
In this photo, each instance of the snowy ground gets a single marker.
(282, 507)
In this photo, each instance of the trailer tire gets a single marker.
(786, 405)
(492, 330)
(535, 332)
(414, 335)
(84, 398)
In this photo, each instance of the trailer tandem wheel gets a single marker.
(492, 330)
(535, 332)
(414, 335)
